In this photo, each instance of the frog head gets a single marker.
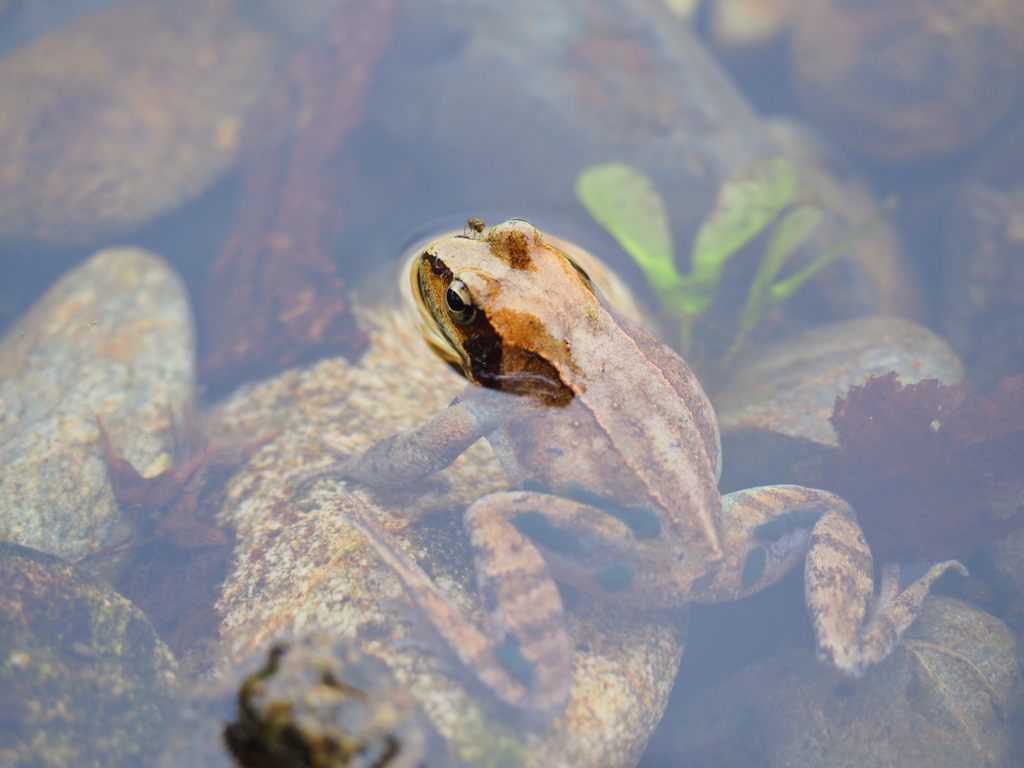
(507, 304)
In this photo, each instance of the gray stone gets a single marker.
(1002, 563)
(112, 338)
(946, 698)
(775, 411)
(86, 682)
(918, 85)
(983, 305)
(124, 115)
(299, 20)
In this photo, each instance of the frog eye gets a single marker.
(460, 303)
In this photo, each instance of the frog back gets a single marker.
(639, 431)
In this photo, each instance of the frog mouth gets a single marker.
(515, 371)
(536, 385)
(524, 377)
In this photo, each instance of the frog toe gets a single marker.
(888, 617)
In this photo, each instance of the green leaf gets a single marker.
(790, 233)
(747, 203)
(783, 289)
(625, 202)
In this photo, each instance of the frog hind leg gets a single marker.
(768, 530)
(526, 664)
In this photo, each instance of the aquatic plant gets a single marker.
(170, 500)
(765, 193)
(929, 467)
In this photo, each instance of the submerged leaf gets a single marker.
(746, 204)
(930, 467)
(783, 289)
(791, 232)
(626, 203)
(171, 498)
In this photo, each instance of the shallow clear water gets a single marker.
(280, 162)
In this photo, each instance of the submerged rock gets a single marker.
(904, 80)
(1002, 563)
(112, 338)
(85, 681)
(124, 115)
(739, 24)
(300, 566)
(909, 79)
(983, 310)
(775, 411)
(946, 698)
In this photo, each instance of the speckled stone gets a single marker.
(113, 337)
(85, 681)
(300, 566)
(124, 115)
(775, 411)
(946, 698)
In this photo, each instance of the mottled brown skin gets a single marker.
(616, 448)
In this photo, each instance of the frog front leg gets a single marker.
(768, 530)
(406, 457)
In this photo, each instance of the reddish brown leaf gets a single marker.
(146, 493)
(930, 467)
(171, 498)
(886, 429)
(129, 486)
(275, 297)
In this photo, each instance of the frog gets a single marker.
(614, 454)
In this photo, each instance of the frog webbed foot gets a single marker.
(768, 530)
(855, 628)
(888, 615)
